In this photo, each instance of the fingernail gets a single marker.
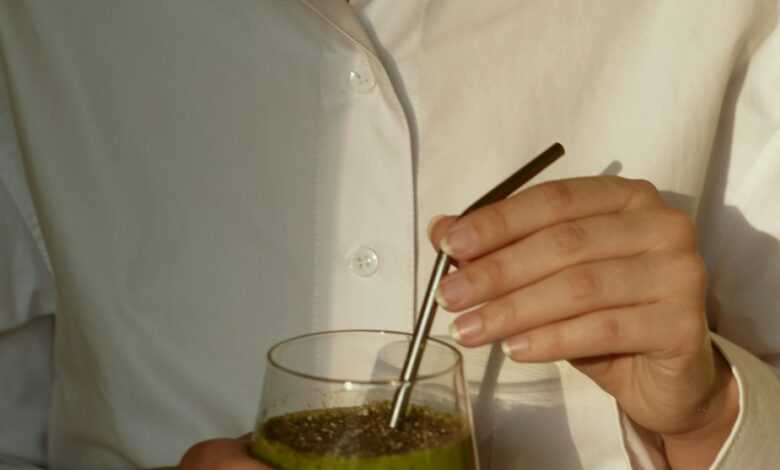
(466, 328)
(515, 344)
(454, 289)
(460, 240)
(432, 223)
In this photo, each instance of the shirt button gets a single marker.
(362, 81)
(364, 262)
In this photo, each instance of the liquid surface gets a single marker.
(359, 438)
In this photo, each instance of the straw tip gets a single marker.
(558, 149)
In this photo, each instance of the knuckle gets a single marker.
(494, 221)
(613, 184)
(609, 330)
(643, 192)
(493, 273)
(569, 238)
(583, 283)
(680, 228)
(557, 195)
(644, 187)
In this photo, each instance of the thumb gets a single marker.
(217, 453)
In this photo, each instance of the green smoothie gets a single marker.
(359, 438)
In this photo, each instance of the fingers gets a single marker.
(540, 206)
(638, 329)
(575, 252)
(581, 289)
(550, 250)
(438, 227)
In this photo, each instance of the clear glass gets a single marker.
(326, 401)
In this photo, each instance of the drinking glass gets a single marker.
(327, 397)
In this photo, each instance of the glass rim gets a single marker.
(396, 382)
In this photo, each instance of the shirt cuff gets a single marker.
(752, 442)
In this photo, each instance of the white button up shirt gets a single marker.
(184, 183)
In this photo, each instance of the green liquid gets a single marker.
(448, 452)
(455, 456)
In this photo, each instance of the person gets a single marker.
(186, 183)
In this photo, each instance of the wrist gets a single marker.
(698, 448)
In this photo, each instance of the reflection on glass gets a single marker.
(326, 405)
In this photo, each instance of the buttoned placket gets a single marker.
(366, 232)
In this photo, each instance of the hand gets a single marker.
(220, 454)
(600, 272)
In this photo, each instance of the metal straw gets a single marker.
(425, 319)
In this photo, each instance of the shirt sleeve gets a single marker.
(739, 227)
(26, 309)
(744, 254)
(753, 439)
(751, 443)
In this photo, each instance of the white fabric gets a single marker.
(202, 172)
(26, 304)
